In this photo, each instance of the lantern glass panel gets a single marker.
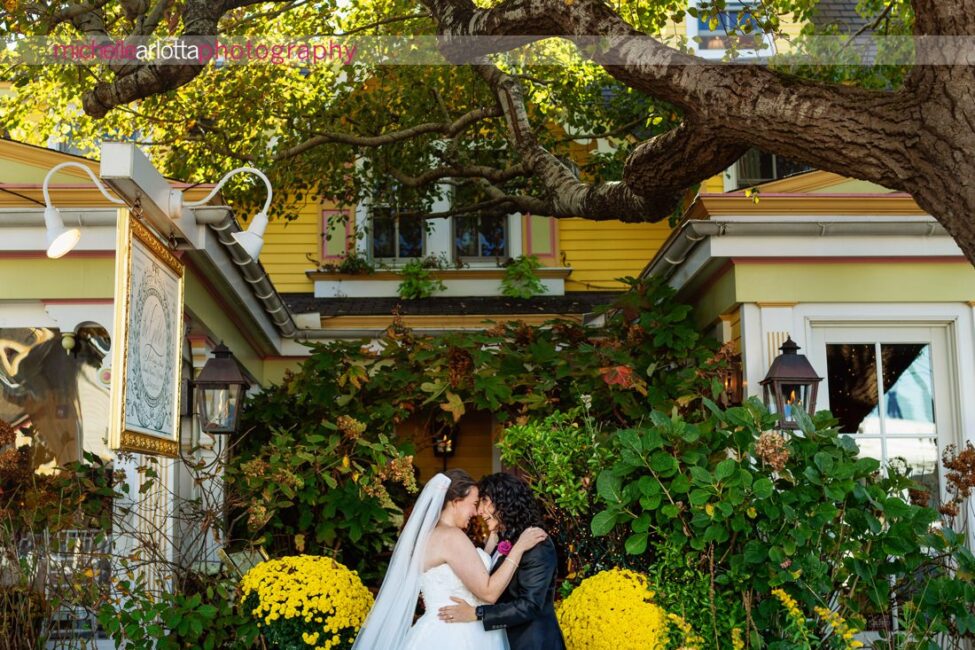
(219, 407)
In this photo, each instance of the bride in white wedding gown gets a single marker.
(435, 558)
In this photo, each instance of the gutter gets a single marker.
(218, 218)
(253, 271)
(686, 238)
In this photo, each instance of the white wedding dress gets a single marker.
(437, 586)
(388, 626)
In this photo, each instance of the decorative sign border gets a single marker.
(147, 346)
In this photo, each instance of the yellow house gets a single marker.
(876, 294)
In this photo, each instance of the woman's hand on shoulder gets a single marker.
(530, 538)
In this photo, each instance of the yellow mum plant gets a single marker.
(306, 601)
(614, 610)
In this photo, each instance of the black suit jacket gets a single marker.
(526, 609)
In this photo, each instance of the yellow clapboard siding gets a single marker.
(288, 257)
(714, 184)
(287, 245)
(310, 231)
(616, 248)
(290, 237)
(613, 244)
(599, 252)
(597, 260)
(611, 266)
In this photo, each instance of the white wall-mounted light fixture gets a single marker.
(60, 239)
(252, 239)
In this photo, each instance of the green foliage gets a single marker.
(207, 619)
(803, 512)
(320, 486)
(521, 279)
(418, 281)
(562, 455)
(648, 355)
(282, 108)
(682, 585)
(353, 263)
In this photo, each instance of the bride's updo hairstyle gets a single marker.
(461, 484)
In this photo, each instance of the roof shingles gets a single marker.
(574, 303)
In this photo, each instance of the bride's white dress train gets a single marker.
(437, 586)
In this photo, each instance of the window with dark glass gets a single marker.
(883, 395)
(481, 236)
(394, 236)
(757, 167)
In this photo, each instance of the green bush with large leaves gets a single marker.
(297, 468)
(323, 486)
(799, 511)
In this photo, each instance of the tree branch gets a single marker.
(466, 171)
(200, 18)
(449, 129)
(567, 196)
(744, 104)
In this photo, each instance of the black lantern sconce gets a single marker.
(219, 392)
(445, 444)
(731, 381)
(791, 384)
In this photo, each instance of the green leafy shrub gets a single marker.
(802, 512)
(561, 456)
(647, 356)
(418, 281)
(323, 487)
(208, 618)
(521, 279)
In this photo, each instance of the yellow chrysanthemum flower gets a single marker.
(324, 595)
(614, 610)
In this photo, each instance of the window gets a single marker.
(735, 20)
(480, 237)
(889, 391)
(757, 167)
(395, 237)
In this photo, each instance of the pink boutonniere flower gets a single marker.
(504, 547)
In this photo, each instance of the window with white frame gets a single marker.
(477, 236)
(480, 237)
(890, 390)
(395, 237)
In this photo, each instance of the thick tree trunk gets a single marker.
(920, 140)
(943, 153)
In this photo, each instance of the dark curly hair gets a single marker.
(515, 505)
